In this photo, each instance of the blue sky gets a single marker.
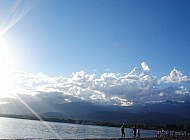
(61, 37)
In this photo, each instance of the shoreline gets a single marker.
(145, 138)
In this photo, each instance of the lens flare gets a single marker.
(37, 116)
(7, 68)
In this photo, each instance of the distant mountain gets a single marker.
(135, 118)
(18, 108)
(169, 107)
(53, 115)
(69, 109)
(164, 112)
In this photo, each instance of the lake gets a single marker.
(11, 128)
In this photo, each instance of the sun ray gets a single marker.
(37, 116)
(15, 19)
(8, 61)
(7, 67)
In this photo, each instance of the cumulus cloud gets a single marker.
(121, 101)
(182, 90)
(162, 94)
(175, 77)
(137, 86)
(145, 66)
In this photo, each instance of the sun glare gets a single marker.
(7, 69)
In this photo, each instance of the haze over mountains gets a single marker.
(171, 112)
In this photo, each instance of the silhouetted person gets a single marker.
(173, 133)
(134, 131)
(123, 130)
(138, 132)
(163, 133)
(168, 133)
(157, 133)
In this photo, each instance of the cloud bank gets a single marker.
(137, 87)
(175, 77)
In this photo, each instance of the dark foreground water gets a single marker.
(19, 129)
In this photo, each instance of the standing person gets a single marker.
(138, 132)
(134, 131)
(173, 133)
(163, 133)
(123, 130)
(168, 133)
(158, 133)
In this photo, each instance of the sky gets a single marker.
(116, 52)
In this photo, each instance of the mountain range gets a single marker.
(168, 112)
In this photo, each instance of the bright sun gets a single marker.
(7, 69)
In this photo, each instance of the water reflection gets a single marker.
(19, 129)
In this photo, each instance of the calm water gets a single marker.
(20, 128)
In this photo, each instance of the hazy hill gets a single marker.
(165, 112)
(135, 118)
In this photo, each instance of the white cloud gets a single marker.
(142, 78)
(182, 90)
(67, 100)
(145, 66)
(138, 86)
(175, 77)
(121, 102)
(3, 102)
(162, 94)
